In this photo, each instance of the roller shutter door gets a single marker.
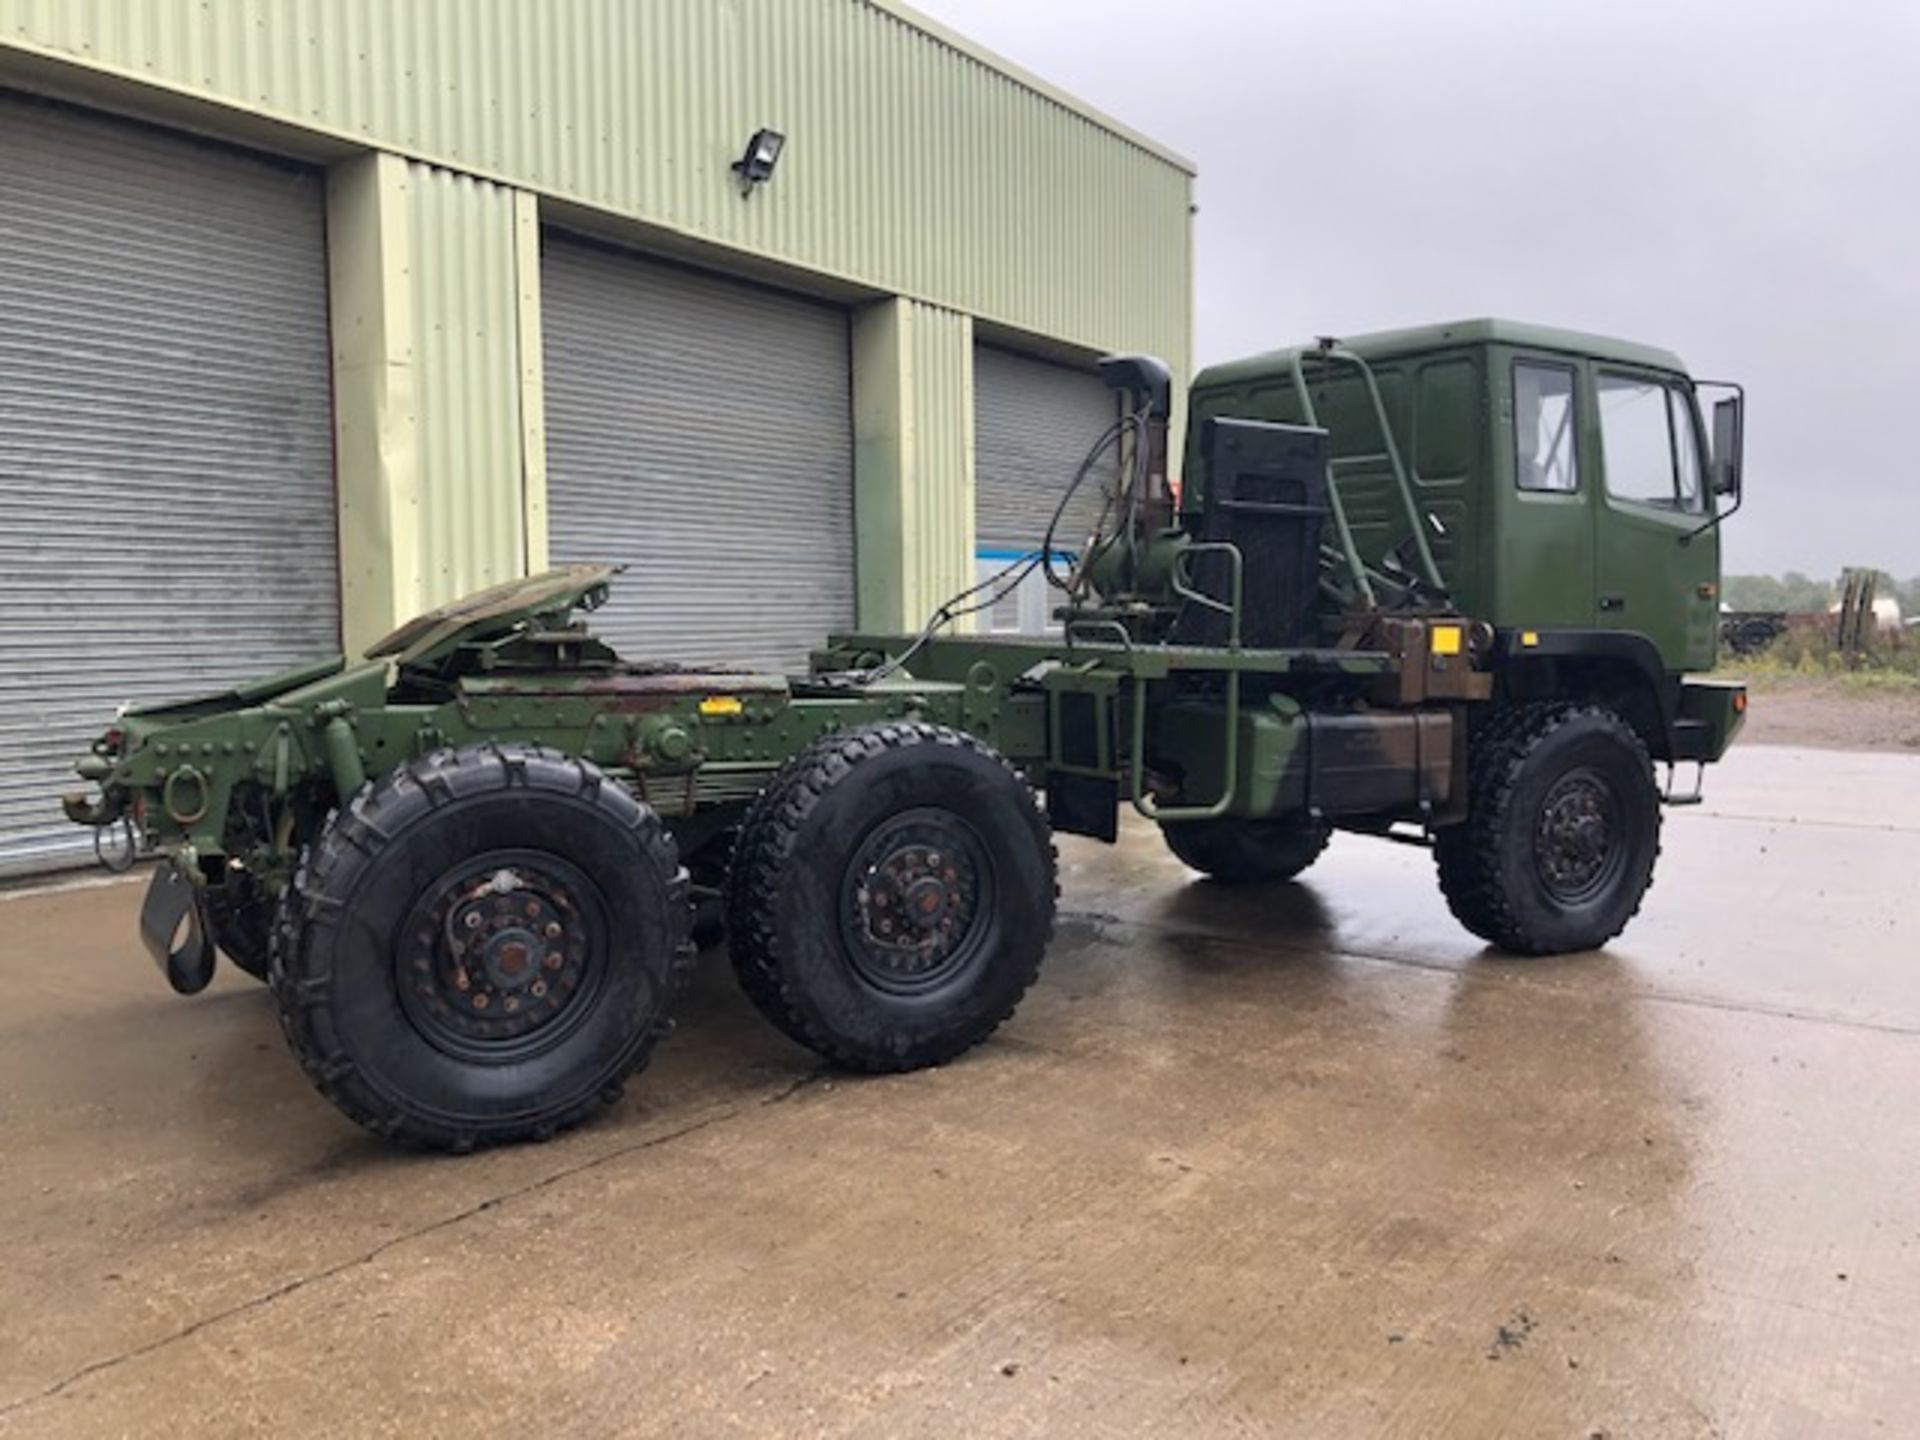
(166, 441)
(699, 431)
(1034, 422)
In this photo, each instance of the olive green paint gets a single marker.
(1514, 558)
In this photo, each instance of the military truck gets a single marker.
(1447, 586)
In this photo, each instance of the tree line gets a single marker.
(1796, 593)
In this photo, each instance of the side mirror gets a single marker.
(1729, 427)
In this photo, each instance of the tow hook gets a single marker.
(104, 816)
(118, 859)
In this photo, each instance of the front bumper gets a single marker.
(1711, 713)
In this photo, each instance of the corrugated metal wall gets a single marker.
(700, 433)
(165, 442)
(462, 279)
(912, 166)
(1036, 423)
(939, 535)
(916, 168)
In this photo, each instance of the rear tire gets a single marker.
(1562, 830)
(892, 896)
(481, 947)
(1246, 852)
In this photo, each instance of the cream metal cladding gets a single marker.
(432, 348)
(919, 175)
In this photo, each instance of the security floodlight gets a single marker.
(756, 166)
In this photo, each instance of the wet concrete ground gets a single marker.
(1305, 1162)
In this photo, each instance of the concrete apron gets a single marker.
(1298, 1162)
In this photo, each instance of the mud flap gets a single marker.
(1084, 805)
(171, 899)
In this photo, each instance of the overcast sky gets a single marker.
(1737, 180)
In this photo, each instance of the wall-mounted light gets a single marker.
(756, 166)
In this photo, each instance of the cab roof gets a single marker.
(1387, 344)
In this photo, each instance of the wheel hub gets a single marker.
(928, 899)
(913, 901)
(496, 955)
(1574, 846)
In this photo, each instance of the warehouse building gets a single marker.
(316, 313)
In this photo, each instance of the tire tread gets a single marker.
(353, 840)
(768, 836)
(1468, 855)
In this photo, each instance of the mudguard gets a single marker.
(171, 899)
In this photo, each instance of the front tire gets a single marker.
(1562, 830)
(482, 946)
(891, 897)
(1246, 852)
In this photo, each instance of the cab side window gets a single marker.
(1650, 444)
(1544, 455)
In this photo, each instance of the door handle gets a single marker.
(1613, 602)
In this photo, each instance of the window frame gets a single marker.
(1680, 393)
(1673, 389)
(1571, 370)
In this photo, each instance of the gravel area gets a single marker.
(1830, 714)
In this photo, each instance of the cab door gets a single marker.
(1544, 565)
(1655, 572)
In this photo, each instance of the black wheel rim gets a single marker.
(917, 903)
(501, 957)
(1577, 844)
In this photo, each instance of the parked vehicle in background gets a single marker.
(1748, 632)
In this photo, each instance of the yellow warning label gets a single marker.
(1446, 640)
(721, 705)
